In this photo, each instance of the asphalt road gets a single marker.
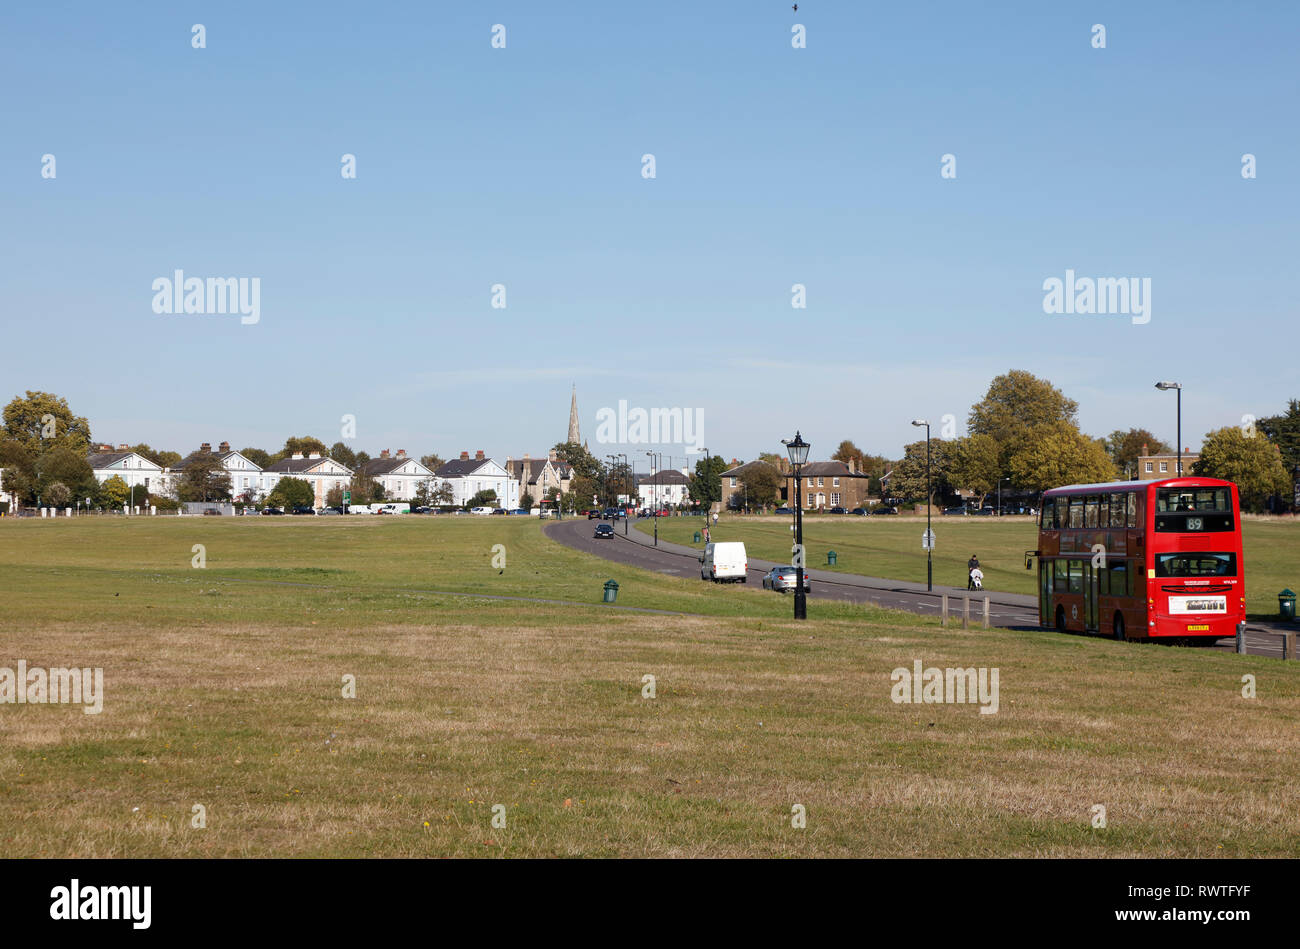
(1006, 610)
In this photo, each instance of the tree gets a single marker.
(763, 484)
(485, 498)
(1059, 454)
(1254, 464)
(114, 492)
(1015, 405)
(305, 444)
(775, 459)
(344, 455)
(41, 421)
(364, 488)
(432, 462)
(56, 494)
(1125, 448)
(847, 452)
(68, 467)
(19, 464)
(526, 502)
(706, 484)
(204, 478)
(908, 482)
(290, 493)
(1284, 432)
(583, 462)
(163, 459)
(443, 494)
(257, 456)
(581, 491)
(334, 496)
(974, 465)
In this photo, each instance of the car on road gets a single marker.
(604, 530)
(959, 511)
(499, 510)
(784, 510)
(985, 511)
(837, 510)
(593, 514)
(784, 579)
(884, 510)
(271, 511)
(859, 511)
(304, 509)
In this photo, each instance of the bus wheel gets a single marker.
(1119, 626)
(1060, 619)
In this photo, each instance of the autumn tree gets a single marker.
(41, 421)
(974, 465)
(1252, 462)
(1125, 448)
(1053, 455)
(1015, 405)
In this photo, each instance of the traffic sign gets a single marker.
(347, 497)
(927, 540)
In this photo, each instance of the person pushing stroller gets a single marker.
(974, 575)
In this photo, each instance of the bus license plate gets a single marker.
(1198, 629)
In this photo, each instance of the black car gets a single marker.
(304, 509)
(956, 511)
(837, 510)
(859, 511)
(269, 511)
(604, 530)
(592, 515)
(884, 510)
(784, 510)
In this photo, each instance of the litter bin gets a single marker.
(830, 557)
(697, 537)
(1286, 604)
(611, 591)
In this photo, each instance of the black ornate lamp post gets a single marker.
(929, 534)
(798, 451)
(1177, 387)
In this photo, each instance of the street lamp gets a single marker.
(654, 483)
(929, 542)
(1000, 480)
(627, 471)
(1178, 387)
(798, 451)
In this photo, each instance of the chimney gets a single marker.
(464, 456)
(124, 447)
(103, 447)
(525, 456)
(384, 453)
(852, 466)
(297, 456)
(401, 453)
(478, 455)
(314, 454)
(553, 456)
(1145, 452)
(224, 447)
(206, 446)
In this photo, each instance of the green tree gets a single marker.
(1254, 464)
(56, 494)
(163, 459)
(485, 498)
(19, 464)
(334, 496)
(291, 493)
(1054, 455)
(257, 456)
(775, 459)
(433, 461)
(1125, 448)
(204, 478)
(583, 462)
(344, 455)
(68, 467)
(908, 482)
(847, 452)
(1284, 432)
(526, 501)
(365, 489)
(113, 493)
(763, 484)
(306, 444)
(974, 465)
(41, 421)
(1015, 405)
(706, 484)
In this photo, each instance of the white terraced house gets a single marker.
(136, 470)
(668, 487)
(245, 475)
(321, 472)
(399, 475)
(468, 476)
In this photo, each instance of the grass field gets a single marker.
(891, 547)
(224, 688)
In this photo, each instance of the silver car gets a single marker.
(784, 579)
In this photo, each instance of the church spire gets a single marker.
(574, 437)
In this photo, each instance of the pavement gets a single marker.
(1006, 610)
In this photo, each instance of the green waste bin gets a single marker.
(830, 557)
(611, 591)
(1286, 604)
(697, 537)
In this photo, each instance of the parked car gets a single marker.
(604, 530)
(784, 579)
(986, 511)
(481, 510)
(520, 510)
(837, 510)
(499, 510)
(724, 562)
(859, 511)
(211, 512)
(956, 511)
(784, 510)
(304, 509)
(331, 510)
(271, 511)
(884, 509)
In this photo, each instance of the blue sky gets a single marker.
(522, 166)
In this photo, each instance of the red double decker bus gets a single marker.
(1143, 559)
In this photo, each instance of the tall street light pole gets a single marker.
(627, 472)
(798, 451)
(1177, 387)
(929, 535)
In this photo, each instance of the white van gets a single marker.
(724, 562)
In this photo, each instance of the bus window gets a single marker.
(1103, 516)
(1076, 576)
(1061, 576)
(1201, 500)
(1132, 506)
(1090, 506)
(1117, 510)
(1062, 512)
(1076, 512)
(1119, 578)
(1103, 582)
(1196, 564)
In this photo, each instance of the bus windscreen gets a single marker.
(1196, 564)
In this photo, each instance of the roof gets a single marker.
(665, 477)
(827, 469)
(515, 468)
(1187, 481)
(219, 455)
(106, 459)
(382, 466)
(302, 464)
(462, 467)
(739, 469)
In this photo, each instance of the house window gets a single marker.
(835, 482)
(835, 499)
(810, 483)
(821, 482)
(1164, 467)
(733, 481)
(1149, 468)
